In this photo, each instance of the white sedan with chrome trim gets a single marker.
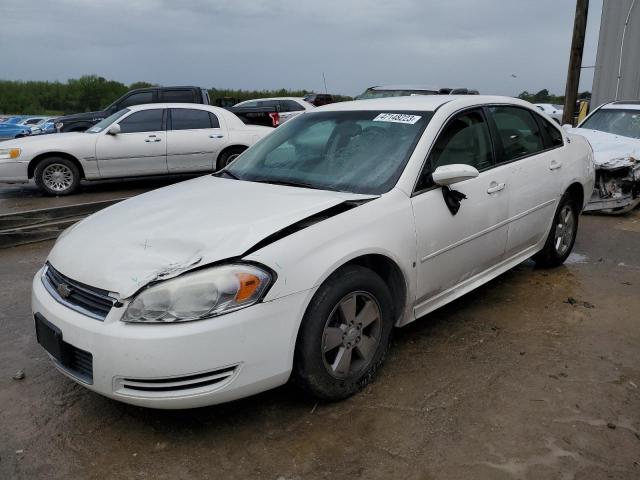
(296, 261)
(152, 139)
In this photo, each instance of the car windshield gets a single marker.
(357, 151)
(615, 120)
(100, 126)
(373, 93)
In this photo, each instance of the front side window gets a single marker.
(189, 119)
(143, 121)
(137, 99)
(615, 120)
(101, 125)
(465, 140)
(359, 152)
(518, 132)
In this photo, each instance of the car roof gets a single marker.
(427, 103)
(271, 98)
(626, 105)
(405, 87)
(149, 106)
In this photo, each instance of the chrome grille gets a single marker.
(90, 301)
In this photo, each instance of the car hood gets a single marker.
(82, 116)
(168, 231)
(610, 150)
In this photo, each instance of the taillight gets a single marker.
(275, 119)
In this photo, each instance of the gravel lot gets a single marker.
(533, 376)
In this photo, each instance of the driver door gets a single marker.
(453, 248)
(139, 149)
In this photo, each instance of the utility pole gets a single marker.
(575, 60)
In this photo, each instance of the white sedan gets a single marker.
(297, 260)
(553, 110)
(152, 139)
(288, 107)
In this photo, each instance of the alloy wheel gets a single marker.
(57, 177)
(351, 335)
(565, 230)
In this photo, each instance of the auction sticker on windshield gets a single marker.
(397, 118)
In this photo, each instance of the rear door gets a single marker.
(453, 248)
(139, 149)
(194, 140)
(534, 162)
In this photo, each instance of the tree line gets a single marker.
(543, 96)
(91, 92)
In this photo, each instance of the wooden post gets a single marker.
(575, 60)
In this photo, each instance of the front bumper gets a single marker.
(183, 365)
(14, 171)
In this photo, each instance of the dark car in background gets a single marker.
(318, 99)
(80, 122)
(384, 91)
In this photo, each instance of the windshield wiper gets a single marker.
(228, 173)
(289, 183)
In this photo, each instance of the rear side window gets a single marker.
(269, 103)
(518, 132)
(553, 137)
(189, 119)
(136, 99)
(290, 106)
(143, 121)
(177, 96)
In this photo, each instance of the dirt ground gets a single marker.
(513, 381)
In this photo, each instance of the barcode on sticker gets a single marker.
(397, 118)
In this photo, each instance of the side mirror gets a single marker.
(114, 129)
(449, 174)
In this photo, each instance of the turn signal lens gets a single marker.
(248, 285)
(9, 153)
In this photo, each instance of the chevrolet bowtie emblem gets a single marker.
(64, 290)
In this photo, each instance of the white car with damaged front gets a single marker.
(613, 130)
(142, 140)
(297, 260)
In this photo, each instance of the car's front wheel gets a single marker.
(57, 176)
(344, 335)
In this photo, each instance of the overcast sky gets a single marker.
(256, 44)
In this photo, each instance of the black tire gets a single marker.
(556, 251)
(311, 370)
(69, 176)
(228, 156)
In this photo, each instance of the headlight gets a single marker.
(9, 153)
(201, 294)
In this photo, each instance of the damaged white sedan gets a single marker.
(613, 130)
(298, 259)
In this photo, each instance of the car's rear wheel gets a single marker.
(562, 235)
(344, 335)
(57, 176)
(228, 156)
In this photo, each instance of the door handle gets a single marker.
(152, 138)
(555, 165)
(216, 136)
(495, 187)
